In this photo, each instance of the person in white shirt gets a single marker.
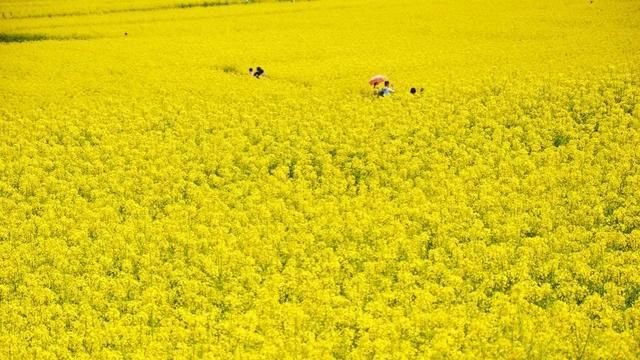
(386, 90)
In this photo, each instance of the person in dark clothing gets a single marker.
(258, 73)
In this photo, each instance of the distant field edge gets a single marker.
(184, 5)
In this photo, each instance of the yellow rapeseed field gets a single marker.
(159, 202)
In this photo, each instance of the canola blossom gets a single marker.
(157, 201)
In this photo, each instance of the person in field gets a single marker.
(386, 90)
(251, 71)
(258, 73)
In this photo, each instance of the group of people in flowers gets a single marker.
(385, 90)
(257, 73)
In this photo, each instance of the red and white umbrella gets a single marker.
(377, 80)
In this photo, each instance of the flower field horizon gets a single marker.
(157, 201)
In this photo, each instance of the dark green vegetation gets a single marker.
(17, 38)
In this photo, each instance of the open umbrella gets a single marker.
(377, 80)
